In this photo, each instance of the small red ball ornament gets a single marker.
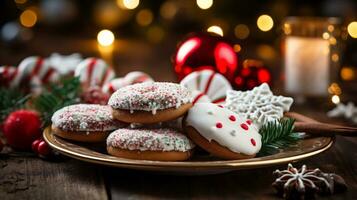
(205, 51)
(252, 74)
(21, 128)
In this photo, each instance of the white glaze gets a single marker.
(258, 104)
(204, 118)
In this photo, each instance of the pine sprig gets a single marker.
(10, 100)
(277, 135)
(56, 97)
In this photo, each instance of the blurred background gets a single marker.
(143, 34)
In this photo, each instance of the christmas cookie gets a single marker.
(149, 144)
(222, 132)
(150, 102)
(207, 86)
(84, 122)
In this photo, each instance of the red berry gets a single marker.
(35, 144)
(43, 148)
(21, 128)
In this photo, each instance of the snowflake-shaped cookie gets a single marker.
(259, 104)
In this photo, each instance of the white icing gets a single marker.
(204, 118)
(258, 104)
(199, 80)
(150, 140)
(150, 96)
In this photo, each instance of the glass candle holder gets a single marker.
(311, 55)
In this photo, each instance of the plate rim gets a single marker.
(222, 164)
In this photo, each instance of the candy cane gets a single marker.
(207, 85)
(129, 79)
(94, 72)
(7, 76)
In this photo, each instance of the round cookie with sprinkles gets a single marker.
(149, 144)
(150, 102)
(222, 132)
(84, 122)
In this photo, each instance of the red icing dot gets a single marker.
(232, 118)
(219, 125)
(249, 122)
(253, 142)
(220, 106)
(244, 126)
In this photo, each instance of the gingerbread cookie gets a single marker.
(150, 102)
(149, 144)
(222, 132)
(84, 122)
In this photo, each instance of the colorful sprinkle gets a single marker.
(232, 118)
(219, 125)
(253, 142)
(249, 122)
(244, 126)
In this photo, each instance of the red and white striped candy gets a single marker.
(94, 72)
(7, 75)
(129, 79)
(207, 85)
(35, 66)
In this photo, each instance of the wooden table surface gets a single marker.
(25, 176)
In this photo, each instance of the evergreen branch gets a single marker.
(57, 97)
(10, 100)
(277, 135)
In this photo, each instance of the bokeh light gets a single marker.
(335, 57)
(204, 4)
(128, 4)
(241, 31)
(144, 17)
(325, 35)
(352, 29)
(237, 48)
(168, 10)
(347, 73)
(335, 99)
(105, 37)
(20, 1)
(155, 34)
(334, 89)
(28, 18)
(265, 23)
(215, 29)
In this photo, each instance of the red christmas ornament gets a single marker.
(94, 95)
(21, 128)
(251, 75)
(205, 51)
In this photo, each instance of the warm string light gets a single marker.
(28, 18)
(265, 23)
(128, 4)
(215, 29)
(168, 10)
(335, 99)
(352, 29)
(105, 37)
(144, 17)
(347, 73)
(204, 4)
(241, 31)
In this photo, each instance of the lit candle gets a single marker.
(307, 66)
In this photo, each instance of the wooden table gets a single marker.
(24, 176)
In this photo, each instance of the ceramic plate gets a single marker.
(199, 164)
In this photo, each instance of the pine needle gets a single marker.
(11, 100)
(56, 97)
(277, 135)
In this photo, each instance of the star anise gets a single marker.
(294, 183)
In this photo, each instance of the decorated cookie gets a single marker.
(207, 86)
(258, 104)
(149, 144)
(8, 75)
(150, 102)
(84, 122)
(35, 67)
(94, 72)
(129, 79)
(222, 132)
